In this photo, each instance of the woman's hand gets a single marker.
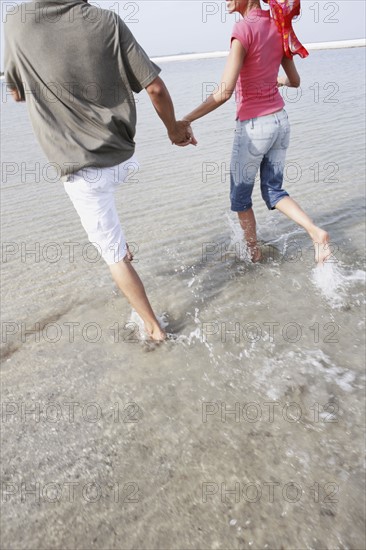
(293, 78)
(182, 135)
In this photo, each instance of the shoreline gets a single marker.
(316, 46)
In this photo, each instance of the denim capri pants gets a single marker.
(260, 144)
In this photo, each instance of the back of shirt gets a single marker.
(77, 66)
(257, 92)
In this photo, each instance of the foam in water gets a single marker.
(333, 282)
(280, 374)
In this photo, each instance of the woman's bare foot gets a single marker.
(255, 253)
(321, 245)
(155, 333)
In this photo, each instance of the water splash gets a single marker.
(274, 250)
(237, 241)
(195, 336)
(333, 281)
(136, 320)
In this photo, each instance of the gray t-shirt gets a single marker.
(77, 66)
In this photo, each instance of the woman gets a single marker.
(260, 43)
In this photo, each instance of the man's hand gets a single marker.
(182, 135)
(16, 95)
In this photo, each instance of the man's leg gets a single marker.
(319, 237)
(92, 194)
(131, 285)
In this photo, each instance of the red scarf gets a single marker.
(283, 12)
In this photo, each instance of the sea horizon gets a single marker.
(313, 46)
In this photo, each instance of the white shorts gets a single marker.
(92, 192)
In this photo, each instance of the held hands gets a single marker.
(182, 135)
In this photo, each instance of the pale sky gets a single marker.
(166, 27)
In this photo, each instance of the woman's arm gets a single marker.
(292, 78)
(228, 82)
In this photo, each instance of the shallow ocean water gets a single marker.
(245, 429)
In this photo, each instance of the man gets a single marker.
(77, 67)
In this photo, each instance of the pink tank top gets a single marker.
(256, 91)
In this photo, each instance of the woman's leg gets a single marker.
(249, 147)
(272, 170)
(249, 225)
(319, 237)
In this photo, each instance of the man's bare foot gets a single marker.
(321, 245)
(156, 333)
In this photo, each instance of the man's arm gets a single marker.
(142, 73)
(12, 77)
(179, 133)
